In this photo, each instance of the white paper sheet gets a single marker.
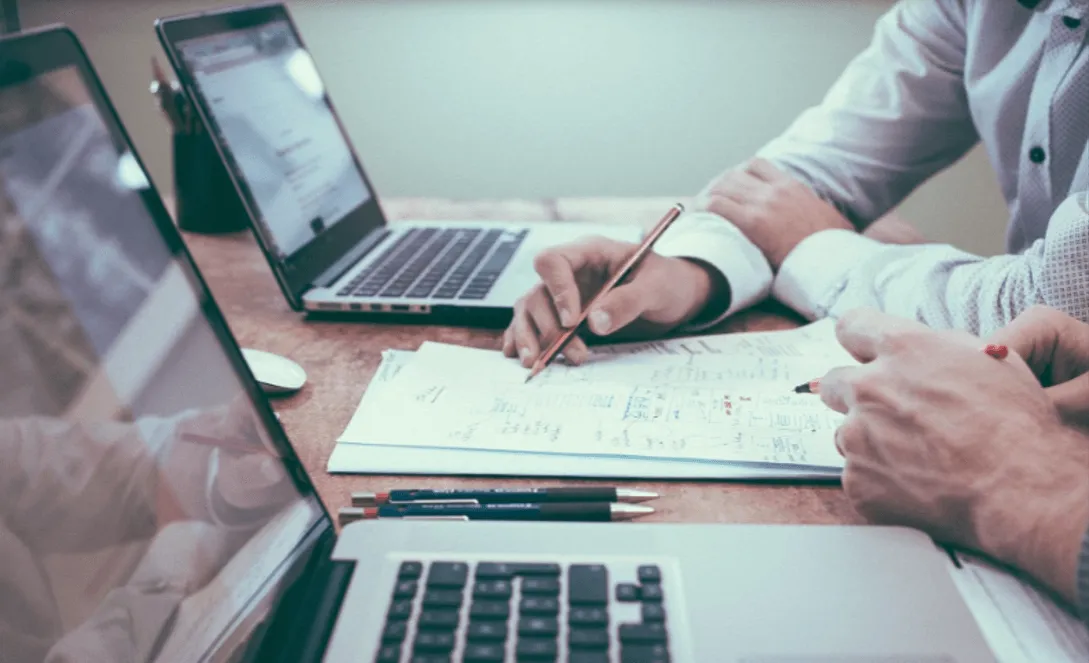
(763, 365)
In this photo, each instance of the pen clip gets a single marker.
(465, 518)
(468, 501)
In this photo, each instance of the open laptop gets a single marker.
(314, 211)
(155, 509)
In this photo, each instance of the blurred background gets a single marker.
(550, 98)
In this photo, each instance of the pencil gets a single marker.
(648, 243)
(991, 350)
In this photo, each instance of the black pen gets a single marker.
(569, 511)
(503, 496)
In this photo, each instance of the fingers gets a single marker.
(618, 309)
(1071, 399)
(727, 208)
(837, 388)
(535, 325)
(867, 333)
(764, 170)
(1053, 344)
(560, 268)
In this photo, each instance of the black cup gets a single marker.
(207, 201)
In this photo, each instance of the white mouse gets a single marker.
(277, 375)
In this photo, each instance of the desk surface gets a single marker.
(340, 359)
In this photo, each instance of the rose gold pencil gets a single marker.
(557, 345)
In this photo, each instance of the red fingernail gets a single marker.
(997, 351)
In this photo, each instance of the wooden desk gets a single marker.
(340, 359)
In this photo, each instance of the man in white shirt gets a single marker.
(939, 76)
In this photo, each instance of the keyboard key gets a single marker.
(399, 610)
(588, 617)
(494, 570)
(487, 631)
(587, 584)
(430, 658)
(649, 573)
(434, 641)
(644, 654)
(642, 633)
(484, 653)
(539, 605)
(442, 598)
(584, 638)
(438, 620)
(627, 592)
(405, 589)
(653, 612)
(532, 569)
(586, 656)
(490, 610)
(394, 632)
(493, 589)
(536, 649)
(652, 592)
(541, 586)
(410, 571)
(388, 654)
(538, 626)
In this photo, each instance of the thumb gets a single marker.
(619, 308)
(1071, 399)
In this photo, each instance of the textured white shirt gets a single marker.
(939, 77)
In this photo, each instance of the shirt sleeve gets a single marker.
(710, 239)
(834, 271)
(897, 115)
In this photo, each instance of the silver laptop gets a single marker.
(157, 511)
(314, 211)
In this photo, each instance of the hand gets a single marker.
(1056, 348)
(775, 211)
(660, 295)
(941, 437)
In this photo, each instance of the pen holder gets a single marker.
(207, 201)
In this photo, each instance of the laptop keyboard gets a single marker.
(487, 612)
(435, 263)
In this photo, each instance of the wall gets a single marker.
(533, 98)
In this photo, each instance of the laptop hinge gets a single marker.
(350, 259)
(307, 611)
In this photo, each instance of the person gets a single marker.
(939, 77)
(987, 455)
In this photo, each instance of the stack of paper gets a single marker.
(704, 407)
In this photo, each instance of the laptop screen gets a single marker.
(146, 507)
(271, 114)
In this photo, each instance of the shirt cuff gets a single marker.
(1083, 579)
(818, 268)
(711, 239)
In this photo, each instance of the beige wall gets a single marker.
(532, 98)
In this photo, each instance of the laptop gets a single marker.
(315, 213)
(156, 511)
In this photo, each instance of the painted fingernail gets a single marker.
(599, 320)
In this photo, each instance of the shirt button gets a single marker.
(1071, 22)
(1037, 155)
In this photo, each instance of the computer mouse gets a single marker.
(278, 376)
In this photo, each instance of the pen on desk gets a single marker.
(572, 511)
(504, 496)
(644, 248)
(991, 350)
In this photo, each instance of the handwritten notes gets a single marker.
(715, 398)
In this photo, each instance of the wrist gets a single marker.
(710, 291)
(1036, 520)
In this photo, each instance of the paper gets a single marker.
(720, 398)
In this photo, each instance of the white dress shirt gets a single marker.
(939, 76)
